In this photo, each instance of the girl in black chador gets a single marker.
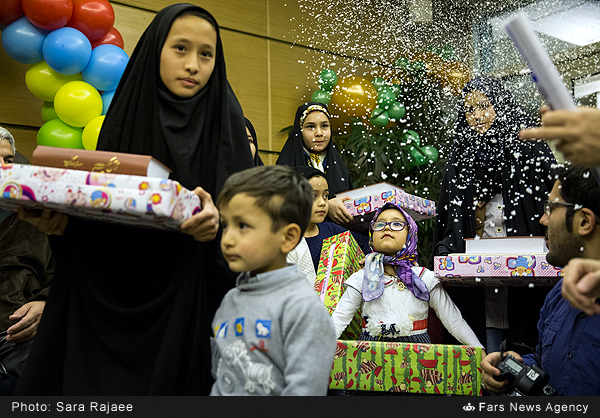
(131, 308)
(494, 185)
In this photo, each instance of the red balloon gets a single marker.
(11, 10)
(113, 37)
(94, 18)
(48, 14)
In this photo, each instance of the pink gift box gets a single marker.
(499, 270)
(116, 198)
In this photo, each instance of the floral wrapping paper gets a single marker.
(499, 270)
(407, 367)
(340, 258)
(115, 198)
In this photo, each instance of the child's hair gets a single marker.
(309, 172)
(284, 194)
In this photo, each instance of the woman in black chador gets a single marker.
(494, 185)
(130, 308)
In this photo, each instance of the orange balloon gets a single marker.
(433, 62)
(454, 76)
(341, 124)
(355, 96)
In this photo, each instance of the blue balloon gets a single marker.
(106, 99)
(106, 67)
(67, 50)
(23, 41)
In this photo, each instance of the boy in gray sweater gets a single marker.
(272, 334)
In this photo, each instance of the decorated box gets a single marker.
(116, 198)
(366, 200)
(407, 367)
(498, 270)
(340, 257)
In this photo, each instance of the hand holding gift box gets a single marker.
(117, 198)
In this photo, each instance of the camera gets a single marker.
(524, 380)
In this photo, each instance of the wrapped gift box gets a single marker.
(366, 200)
(498, 270)
(406, 367)
(115, 198)
(340, 258)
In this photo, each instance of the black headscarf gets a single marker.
(480, 165)
(293, 154)
(257, 160)
(202, 139)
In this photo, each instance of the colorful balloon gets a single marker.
(379, 117)
(412, 137)
(402, 62)
(113, 37)
(89, 137)
(43, 82)
(386, 97)
(430, 152)
(105, 68)
(94, 18)
(320, 96)
(23, 41)
(106, 100)
(327, 80)
(378, 83)
(48, 112)
(56, 133)
(67, 51)
(48, 14)
(77, 103)
(355, 96)
(396, 111)
(418, 157)
(11, 10)
(341, 124)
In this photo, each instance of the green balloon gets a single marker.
(396, 111)
(321, 97)
(386, 98)
(327, 80)
(412, 137)
(431, 153)
(447, 53)
(56, 133)
(398, 90)
(379, 117)
(418, 158)
(378, 83)
(48, 112)
(416, 67)
(401, 62)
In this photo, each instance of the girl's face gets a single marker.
(187, 58)
(316, 131)
(320, 206)
(251, 140)
(479, 111)
(387, 241)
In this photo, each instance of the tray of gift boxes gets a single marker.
(137, 200)
(388, 367)
(365, 201)
(498, 262)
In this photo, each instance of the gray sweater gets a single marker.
(272, 336)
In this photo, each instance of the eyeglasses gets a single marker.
(550, 205)
(394, 225)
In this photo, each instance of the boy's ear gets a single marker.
(291, 236)
(586, 221)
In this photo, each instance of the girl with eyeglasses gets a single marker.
(394, 292)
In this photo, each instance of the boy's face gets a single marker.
(187, 58)
(387, 241)
(248, 242)
(320, 206)
(316, 131)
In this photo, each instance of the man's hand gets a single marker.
(28, 317)
(577, 133)
(204, 225)
(489, 370)
(581, 284)
(48, 222)
(338, 212)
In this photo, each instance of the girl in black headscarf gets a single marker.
(494, 185)
(131, 309)
(309, 143)
(253, 141)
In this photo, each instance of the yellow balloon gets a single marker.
(355, 96)
(454, 76)
(44, 82)
(77, 103)
(90, 134)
